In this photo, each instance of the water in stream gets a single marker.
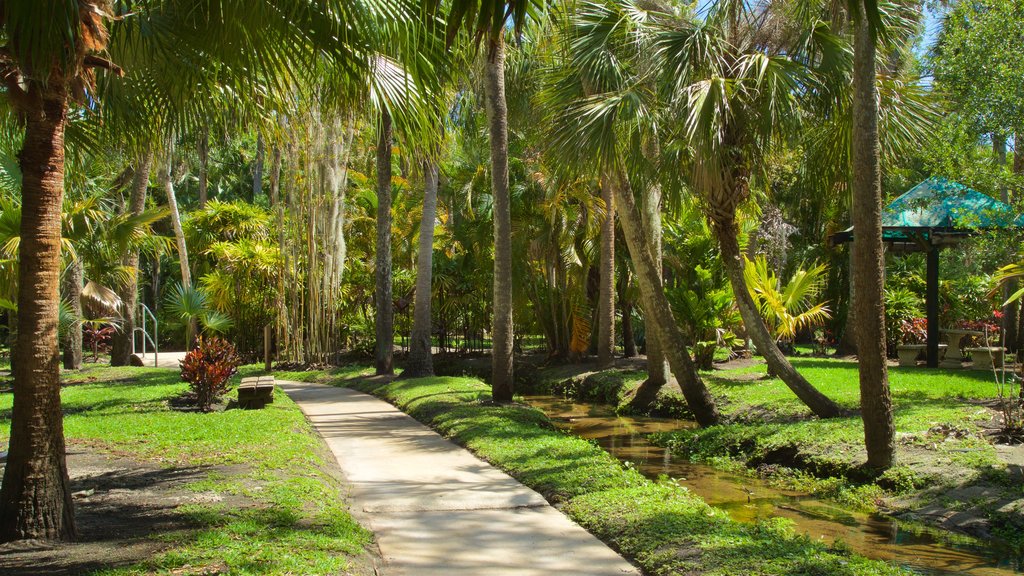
(748, 499)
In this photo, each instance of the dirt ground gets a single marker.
(119, 503)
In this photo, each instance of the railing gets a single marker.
(145, 311)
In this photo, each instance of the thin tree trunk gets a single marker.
(502, 331)
(847, 345)
(385, 314)
(1018, 152)
(661, 321)
(606, 297)
(73, 277)
(1009, 322)
(275, 176)
(727, 231)
(421, 361)
(121, 343)
(179, 238)
(868, 254)
(204, 166)
(257, 171)
(1017, 344)
(626, 304)
(35, 499)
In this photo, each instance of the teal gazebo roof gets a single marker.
(941, 203)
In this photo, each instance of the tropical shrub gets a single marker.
(190, 305)
(96, 337)
(207, 369)
(902, 307)
(705, 310)
(913, 331)
(788, 308)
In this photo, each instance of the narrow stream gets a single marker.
(749, 499)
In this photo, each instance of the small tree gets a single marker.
(207, 368)
(791, 308)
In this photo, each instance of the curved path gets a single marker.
(434, 507)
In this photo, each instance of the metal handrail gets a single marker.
(145, 333)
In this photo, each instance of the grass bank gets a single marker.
(662, 526)
(244, 492)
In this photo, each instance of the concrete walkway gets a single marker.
(434, 507)
(161, 360)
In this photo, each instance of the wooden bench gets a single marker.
(256, 391)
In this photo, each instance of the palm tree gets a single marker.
(601, 105)
(50, 62)
(385, 316)
(791, 307)
(420, 362)
(606, 299)
(738, 93)
(45, 67)
(868, 252)
(491, 18)
(128, 291)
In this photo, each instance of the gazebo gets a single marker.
(934, 214)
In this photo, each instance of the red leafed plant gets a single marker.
(914, 331)
(208, 367)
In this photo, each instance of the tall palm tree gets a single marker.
(45, 67)
(489, 24)
(601, 111)
(868, 251)
(606, 298)
(739, 91)
(384, 319)
(420, 362)
(49, 63)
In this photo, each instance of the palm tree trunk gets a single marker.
(657, 367)
(73, 277)
(606, 304)
(628, 341)
(420, 357)
(868, 254)
(179, 238)
(121, 343)
(660, 319)
(726, 231)
(257, 172)
(204, 166)
(35, 501)
(502, 331)
(385, 315)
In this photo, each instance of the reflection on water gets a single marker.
(749, 499)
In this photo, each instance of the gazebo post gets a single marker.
(932, 304)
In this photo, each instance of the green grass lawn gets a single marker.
(937, 415)
(661, 525)
(296, 523)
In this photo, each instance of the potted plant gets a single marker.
(984, 350)
(912, 337)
